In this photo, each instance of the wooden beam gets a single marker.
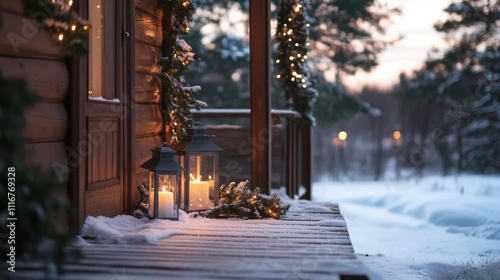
(306, 161)
(260, 98)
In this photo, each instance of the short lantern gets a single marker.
(164, 195)
(200, 158)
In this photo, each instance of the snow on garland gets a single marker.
(68, 30)
(292, 34)
(177, 98)
(239, 201)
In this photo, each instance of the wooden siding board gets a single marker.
(46, 154)
(148, 28)
(22, 38)
(143, 146)
(48, 79)
(150, 6)
(46, 122)
(148, 120)
(147, 88)
(146, 57)
(14, 7)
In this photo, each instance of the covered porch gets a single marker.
(310, 242)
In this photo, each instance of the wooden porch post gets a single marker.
(260, 98)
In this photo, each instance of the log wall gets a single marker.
(27, 51)
(148, 120)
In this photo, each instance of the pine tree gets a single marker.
(464, 81)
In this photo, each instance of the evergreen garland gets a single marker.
(68, 30)
(292, 34)
(177, 98)
(239, 201)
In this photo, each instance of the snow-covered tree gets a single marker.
(465, 81)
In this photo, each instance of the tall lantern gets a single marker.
(200, 158)
(164, 194)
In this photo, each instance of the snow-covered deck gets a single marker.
(311, 242)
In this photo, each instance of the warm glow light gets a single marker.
(277, 61)
(343, 135)
(70, 2)
(291, 58)
(73, 27)
(278, 76)
(85, 27)
(396, 135)
(60, 37)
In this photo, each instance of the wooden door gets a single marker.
(104, 119)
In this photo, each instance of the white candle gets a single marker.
(165, 204)
(198, 195)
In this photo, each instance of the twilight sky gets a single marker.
(416, 24)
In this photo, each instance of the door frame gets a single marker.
(78, 142)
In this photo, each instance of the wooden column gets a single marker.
(260, 97)
(306, 161)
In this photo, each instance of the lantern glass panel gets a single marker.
(201, 181)
(167, 196)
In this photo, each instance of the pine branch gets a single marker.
(240, 201)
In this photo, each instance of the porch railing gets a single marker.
(297, 146)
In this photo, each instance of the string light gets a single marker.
(60, 37)
(294, 67)
(73, 27)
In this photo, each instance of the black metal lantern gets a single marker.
(200, 158)
(164, 195)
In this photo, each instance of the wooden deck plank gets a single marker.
(304, 245)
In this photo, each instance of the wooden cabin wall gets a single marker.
(35, 58)
(148, 119)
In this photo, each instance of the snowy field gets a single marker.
(431, 228)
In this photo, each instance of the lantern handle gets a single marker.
(198, 124)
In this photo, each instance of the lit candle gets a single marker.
(165, 204)
(198, 195)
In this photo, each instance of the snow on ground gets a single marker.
(431, 228)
